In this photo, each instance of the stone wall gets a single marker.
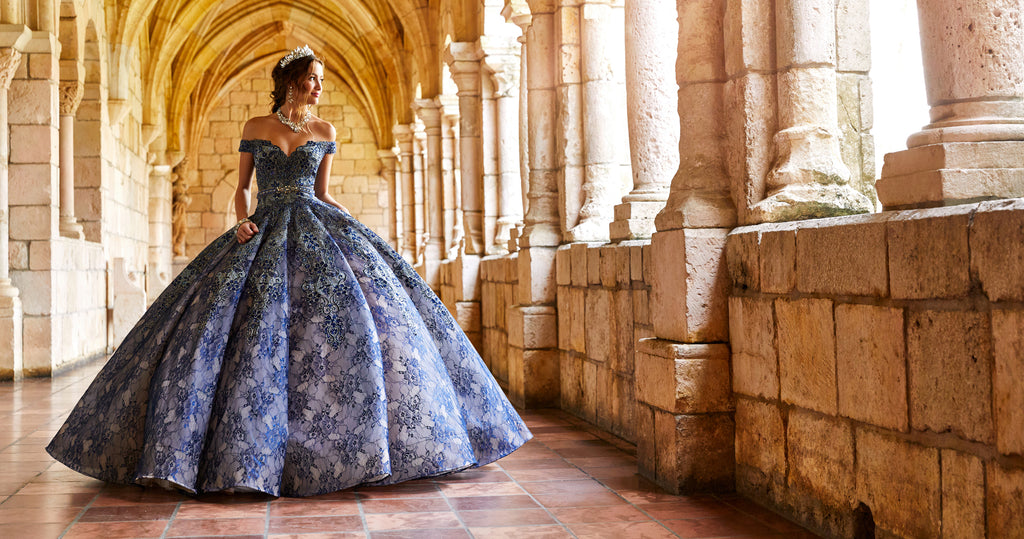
(498, 280)
(355, 174)
(602, 313)
(876, 370)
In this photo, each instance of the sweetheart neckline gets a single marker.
(297, 148)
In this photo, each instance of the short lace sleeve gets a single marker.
(331, 147)
(246, 146)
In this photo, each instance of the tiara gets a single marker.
(299, 52)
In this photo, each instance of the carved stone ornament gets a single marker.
(71, 93)
(9, 60)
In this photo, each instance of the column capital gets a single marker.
(71, 92)
(388, 159)
(403, 133)
(517, 12)
(429, 111)
(449, 106)
(460, 53)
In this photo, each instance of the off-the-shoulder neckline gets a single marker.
(308, 142)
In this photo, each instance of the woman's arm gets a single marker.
(246, 229)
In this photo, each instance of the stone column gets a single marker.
(974, 77)
(70, 98)
(685, 441)
(464, 61)
(429, 111)
(533, 368)
(505, 81)
(450, 177)
(541, 221)
(488, 159)
(651, 96)
(34, 162)
(160, 264)
(388, 162)
(604, 125)
(809, 179)
(518, 13)
(419, 197)
(404, 139)
(11, 321)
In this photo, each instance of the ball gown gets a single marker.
(308, 360)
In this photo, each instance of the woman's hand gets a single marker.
(246, 230)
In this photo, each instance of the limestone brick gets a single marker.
(963, 495)
(749, 35)
(943, 342)
(621, 355)
(807, 360)
(853, 43)
(563, 266)
(820, 455)
(565, 315)
(928, 255)
(690, 285)
(33, 144)
(591, 392)
(571, 382)
(33, 222)
(599, 324)
(752, 338)
(761, 439)
(533, 327)
(646, 442)
(871, 365)
(593, 264)
(700, 455)
(681, 378)
(609, 269)
(536, 275)
(778, 258)
(34, 105)
(994, 260)
(636, 261)
(904, 499)
(641, 308)
(578, 322)
(1007, 391)
(742, 258)
(843, 256)
(1004, 500)
(18, 255)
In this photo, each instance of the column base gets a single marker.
(685, 426)
(634, 220)
(951, 173)
(70, 228)
(810, 201)
(11, 323)
(696, 209)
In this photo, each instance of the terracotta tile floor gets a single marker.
(567, 482)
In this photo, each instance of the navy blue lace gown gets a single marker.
(308, 360)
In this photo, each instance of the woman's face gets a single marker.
(311, 85)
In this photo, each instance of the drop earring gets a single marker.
(291, 98)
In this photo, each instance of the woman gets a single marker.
(297, 354)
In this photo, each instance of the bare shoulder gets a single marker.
(257, 127)
(322, 129)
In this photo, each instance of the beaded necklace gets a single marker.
(294, 126)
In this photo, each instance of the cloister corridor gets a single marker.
(747, 268)
(571, 481)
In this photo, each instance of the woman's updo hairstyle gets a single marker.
(292, 73)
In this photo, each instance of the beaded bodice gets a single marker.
(280, 173)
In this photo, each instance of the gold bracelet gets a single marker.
(244, 220)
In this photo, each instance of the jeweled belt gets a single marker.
(287, 189)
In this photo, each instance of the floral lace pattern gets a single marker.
(308, 360)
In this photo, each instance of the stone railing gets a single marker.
(876, 370)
